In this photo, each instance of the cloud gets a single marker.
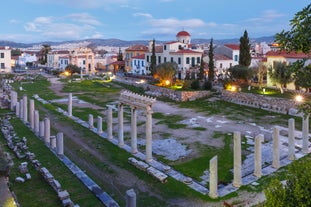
(147, 15)
(84, 18)
(266, 16)
(13, 21)
(72, 26)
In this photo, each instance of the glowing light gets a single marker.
(264, 90)
(233, 88)
(66, 73)
(299, 98)
(167, 82)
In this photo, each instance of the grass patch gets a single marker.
(195, 167)
(172, 121)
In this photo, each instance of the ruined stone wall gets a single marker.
(156, 91)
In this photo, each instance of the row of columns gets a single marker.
(40, 128)
(237, 154)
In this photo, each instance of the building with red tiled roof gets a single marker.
(273, 57)
(132, 51)
(178, 51)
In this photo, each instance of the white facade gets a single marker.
(25, 58)
(5, 60)
(63, 62)
(139, 65)
(177, 51)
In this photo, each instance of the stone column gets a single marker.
(213, 178)
(31, 113)
(148, 134)
(134, 130)
(291, 139)
(91, 121)
(99, 125)
(47, 132)
(21, 109)
(41, 129)
(70, 104)
(17, 109)
(60, 143)
(53, 142)
(305, 134)
(130, 198)
(36, 122)
(258, 140)
(120, 125)
(109, 123)
(237, 160)
(13, 100)
(276, 148)
(25, 109)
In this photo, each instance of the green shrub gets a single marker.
(195, 84)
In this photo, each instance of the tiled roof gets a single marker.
(221, 57)
(233, 46)
(137, 48)
(139, 56)
(159, 49)
(61, 52)
(183, 33)
(186, 52)
(172, 42)
(285, 54)
(118, 63)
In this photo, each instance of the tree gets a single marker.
(296, 191)
(120, 56)
(240, 73)
(260, 71)
(153, 59)
(43, 53)
(166, 71)
(71, 69)
(298, 38)
(245, 55)
(301, 74)
(201, 70)
(211, 66)
(280, 75)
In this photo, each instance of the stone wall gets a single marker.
(280, 105)
(156, 91)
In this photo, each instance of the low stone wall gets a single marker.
(156, 91)
(279, 105)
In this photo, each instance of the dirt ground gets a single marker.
(125, 180)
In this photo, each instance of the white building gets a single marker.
(26, 58)
(139, 65)
(5, 59)
(53, 58)
(179, 51)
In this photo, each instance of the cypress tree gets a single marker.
(153, 59)
(201, 71)
(211, 71)
(245, 55)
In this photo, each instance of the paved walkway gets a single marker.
(223, 190)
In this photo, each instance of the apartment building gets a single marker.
(5, 59)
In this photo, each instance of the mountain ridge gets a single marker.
(113, 42)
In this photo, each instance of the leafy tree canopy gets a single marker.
(296, 190)
(298, 38)
(72, 69)
(166, 71)
(240, 73)
(281, 74)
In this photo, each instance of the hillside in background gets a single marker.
(125, 43)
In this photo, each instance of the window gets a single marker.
(230, 65)
(165, 59)
(220, 65)
(198, 60)
(187, 60)
(193, 61)
(2, 66)
(236, 58)
(143, 63)
(2, 55)
(147, 58)
(164, 47)
(135, 62)
(179, 60)
(159, 59)
(83, 62)
(172, 59)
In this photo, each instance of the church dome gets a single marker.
(183, 33)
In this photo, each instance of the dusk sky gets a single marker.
(58, 20)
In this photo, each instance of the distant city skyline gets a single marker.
(28, 21)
